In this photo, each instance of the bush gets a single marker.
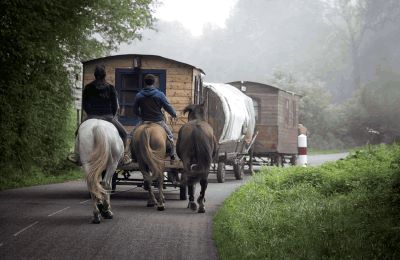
(345, 209)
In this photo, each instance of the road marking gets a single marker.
(22, 230)
(83, 201)
(52, 214)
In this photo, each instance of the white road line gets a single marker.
(52, 214)
(83, 201)
(22, 230)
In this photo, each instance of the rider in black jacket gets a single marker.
(100, 101)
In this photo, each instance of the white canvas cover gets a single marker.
(239, 112)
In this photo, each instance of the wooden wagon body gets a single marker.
(181, 83)
(277, 113)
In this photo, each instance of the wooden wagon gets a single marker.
(277, 113)
(181, 82)
(231, 115)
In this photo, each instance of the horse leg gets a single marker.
(200, 199)
(191, 189)
(105, 206)
(161, 199)
(151, 202)
(96, 211)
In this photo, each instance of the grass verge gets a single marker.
(348, 209)
(37, 177)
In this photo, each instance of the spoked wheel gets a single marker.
(183, 193)
(293, 160)
(279, 160)
(114, 182)
(250, 162)
(221, 172)
(238, 169)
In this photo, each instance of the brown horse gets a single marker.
(196, 146)
(149, 147)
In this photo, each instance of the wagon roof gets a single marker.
(139, 55)
(264, 85)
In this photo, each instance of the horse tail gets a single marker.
(150, 157)
(202, 150)
(98, 161)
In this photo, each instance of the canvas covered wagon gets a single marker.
(277, 119)
(231, 114)
(181, 83)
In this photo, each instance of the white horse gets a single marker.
(100, 148)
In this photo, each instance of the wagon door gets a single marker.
(128, 83)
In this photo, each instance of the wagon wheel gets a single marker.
(114, 182)
(221, 172)
(238, 169)
(250, 163)
(278, 160)
(293, 160)
(183, 192)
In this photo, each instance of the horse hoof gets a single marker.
(160, 208)
(107, 214)
(201, 210)
(96, 219)
(192, 206)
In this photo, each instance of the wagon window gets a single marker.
(287, 112)
(197, 90)
(128, 83)
(128, 89)
(294, 114)
(256, 106)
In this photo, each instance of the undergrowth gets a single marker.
(349, 209)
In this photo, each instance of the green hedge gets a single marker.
(43, 43)
(346, 209)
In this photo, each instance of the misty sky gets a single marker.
(255, 40)
(194, 14)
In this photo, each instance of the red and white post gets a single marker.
(302, 149)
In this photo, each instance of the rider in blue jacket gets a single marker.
(148, 104)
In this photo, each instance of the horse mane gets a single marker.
(195, 111)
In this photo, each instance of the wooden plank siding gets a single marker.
(180, 79)
(278, 118)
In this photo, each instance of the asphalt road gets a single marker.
(53, 222)
(315, 160)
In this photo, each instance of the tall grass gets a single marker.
(349, 209)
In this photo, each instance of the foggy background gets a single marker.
(330, 51)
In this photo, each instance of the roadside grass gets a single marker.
(349, 209)
(37, 177)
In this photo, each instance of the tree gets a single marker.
(40, 40)
(353, 20)
(322, 119)
(373, 113)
